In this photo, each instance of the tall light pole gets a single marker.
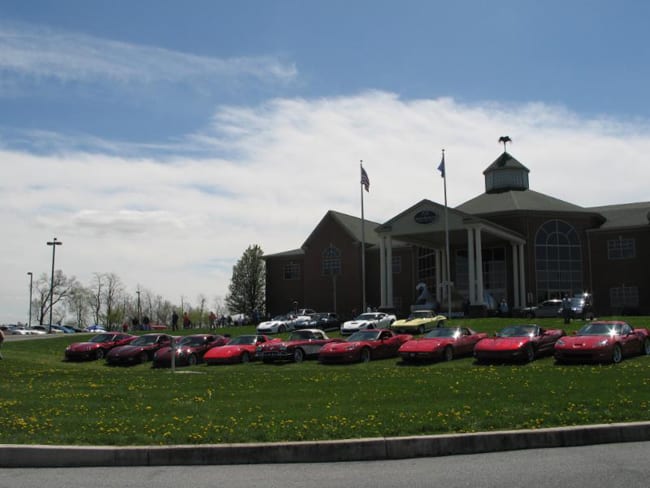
(52, 243)
(31, 276)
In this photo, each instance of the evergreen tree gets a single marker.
(246, 292)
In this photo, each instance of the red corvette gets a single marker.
(98, 346)
(364, 345)
(241, 349)
(189, 350)
(304, 343)
(139, 351)
(441, 343)
(517, 343)
(603, 341)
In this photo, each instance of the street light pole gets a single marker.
(52, 243)
(31, 276)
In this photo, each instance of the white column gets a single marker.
(382, 270)
(479, 268)
(522, 277)
(515, 276)
(389, 271)
(439, 271)
(471, 266)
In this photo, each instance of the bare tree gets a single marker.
(95, 297)
(78, 302)
(56, 294)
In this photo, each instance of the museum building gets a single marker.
(509, 243)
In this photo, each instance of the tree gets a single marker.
(246, 289)
(55, 295)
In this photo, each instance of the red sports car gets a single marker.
(603, 341)
(189, 350)
(241, 349)
(139, 351)
(304, 343)
(364, 345)
(517, 343)
(98, 346)
(441, 343)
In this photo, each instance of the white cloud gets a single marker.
(176, 226)
(41, 52)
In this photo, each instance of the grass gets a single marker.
(44, 400)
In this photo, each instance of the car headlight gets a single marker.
(560, 342)
(602, 343)
(350, 348)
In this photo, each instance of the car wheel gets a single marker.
(245, 357)
(282, 329)
(192, 360)
(99, 353)
(617, 354)
(448, 354)
(646, 347)
(143, 357)
(298, 355)
(365, 355)
(529, 353)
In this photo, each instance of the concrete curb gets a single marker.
(12, 456)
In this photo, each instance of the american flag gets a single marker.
(365, 181)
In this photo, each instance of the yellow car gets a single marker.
(419, 321)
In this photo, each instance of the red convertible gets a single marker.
(517, 343)
(189, 350)
(603, 341)
(364, 345)
(441, 343)
(139, 351)
(304, 343)
(98, 346)
(241, 349)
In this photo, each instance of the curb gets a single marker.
(12, 456)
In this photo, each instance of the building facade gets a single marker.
(509, 243)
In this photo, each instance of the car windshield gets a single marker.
(600, 329)
(364, 335)
(192, 341)
(301, 335)
(366, 316)
(518, 331)
(242, 340)
(443, 332)
(101, 338)
(421, 314)
(144, 340)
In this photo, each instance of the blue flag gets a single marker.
(365, 181)
(441, 166)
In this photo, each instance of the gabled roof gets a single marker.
(624, 215)
(507, 201)
(286, 254)
(505, 161)
(352, 225)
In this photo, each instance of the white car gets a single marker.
(368, 320)
(276, 325)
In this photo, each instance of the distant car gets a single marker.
(364, 346)
(548, 308)
(301, 321)
(189, 350)
(140, 350)
(320, 320)
(368, 320)
(419, 321)
(603, 341)
(241, 349)
(96, 328)
(444, 343)
(517, 343)
(14, 330)
(97, 346)
(63, 328)
(277, 325)
(302, 344)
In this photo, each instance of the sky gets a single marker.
(158, 139)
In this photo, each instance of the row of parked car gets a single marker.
(601, 341)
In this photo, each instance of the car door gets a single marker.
(630, 342)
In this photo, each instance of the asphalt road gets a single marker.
(598, 466)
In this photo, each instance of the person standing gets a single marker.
(566, 309)
(2, 339)
(174, 320)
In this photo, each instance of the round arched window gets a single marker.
(558, 260)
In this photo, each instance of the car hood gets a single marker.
(425, 344)
(502, 343)
(126, 350)
(82, 346)
(585, 341)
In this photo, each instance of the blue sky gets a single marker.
(158, 139)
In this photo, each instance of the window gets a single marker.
(397, 264)
(621, 248)
(558, 260)
(331, 261)
(624, 297)
(292, 271)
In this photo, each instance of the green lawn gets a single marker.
(45, 400)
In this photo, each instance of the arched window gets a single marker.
(331, 261)
(558, 260)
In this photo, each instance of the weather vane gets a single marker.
(505, 140)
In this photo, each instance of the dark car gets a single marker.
(189, 350)
(139, 351)
(320, 320)
(98, 346)
(548, 308)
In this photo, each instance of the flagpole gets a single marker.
(363, 245)
(448, 281)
